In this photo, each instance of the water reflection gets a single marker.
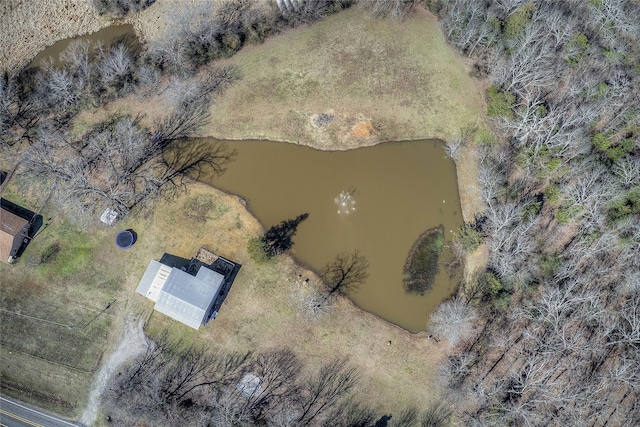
(346, 203)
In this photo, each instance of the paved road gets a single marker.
(15, 414)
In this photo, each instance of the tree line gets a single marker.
(177, 384)
(549, 333)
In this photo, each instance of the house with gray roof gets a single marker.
(186, 293)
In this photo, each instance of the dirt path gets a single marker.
(133, 343)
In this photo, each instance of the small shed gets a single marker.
(14, 232)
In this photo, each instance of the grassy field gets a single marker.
(50, 345)
(381, 79)
(30, 26)
(262, 310)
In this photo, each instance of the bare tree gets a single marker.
(457, 368)
(466, 135)
(118, 165)
(408, 417)
(190, 101)
(346, 273)
(229, 410)
(350, 412)
(60, 88)
(628, 170)
(328, 387)
(470, 26)
(627, 330)
(394, 8)
(18, 112)
(286, 416)
(120, 8)
(453, 320)
(277, 371)
(550, 358)
(116, 69)
(436, 415)
(314, 303)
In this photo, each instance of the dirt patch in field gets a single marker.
(363, 130)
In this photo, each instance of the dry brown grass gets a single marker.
(29, 26)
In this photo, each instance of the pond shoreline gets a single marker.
(370, 299)
(470, 200)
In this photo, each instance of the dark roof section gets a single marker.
(13, 231)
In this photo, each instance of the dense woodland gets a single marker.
(558, 340)
(549, 334)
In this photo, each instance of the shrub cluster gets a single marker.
(421, 267)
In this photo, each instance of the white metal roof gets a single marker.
(179, 295)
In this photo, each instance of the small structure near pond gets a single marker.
(14, 231)
(109, 216)
(190, 292)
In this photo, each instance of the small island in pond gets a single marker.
(421, 267)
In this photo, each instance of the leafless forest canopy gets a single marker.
(558, 336)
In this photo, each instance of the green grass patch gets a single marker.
(576, 47)
(62, 249)
(516, 22)
(611, 149)
(468, 237)
(421, 267)
(257, 250)
(566, 214)
(552, 194)
(202, 207)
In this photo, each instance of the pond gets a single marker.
(107, 36)
(394, 192)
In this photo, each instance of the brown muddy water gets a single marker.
(107, 36)
(398, 190)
